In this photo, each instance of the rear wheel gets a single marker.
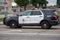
(45, 25)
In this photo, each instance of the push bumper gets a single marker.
(5, 22)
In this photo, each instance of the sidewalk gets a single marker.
(1, 23)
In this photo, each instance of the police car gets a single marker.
(45, 18)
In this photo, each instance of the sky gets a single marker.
(50, 2)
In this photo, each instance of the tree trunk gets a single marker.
(45, 5)
(24, 8)
(42, 5)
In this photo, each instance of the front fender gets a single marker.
(7, 20)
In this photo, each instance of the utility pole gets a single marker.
(5, 7)
(10, 6)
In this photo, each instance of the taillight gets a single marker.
(54, 17)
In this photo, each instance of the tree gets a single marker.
(44, 3)
(21, 3)
(58, 3)
(40, 2)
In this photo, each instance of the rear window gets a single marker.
(48, 12)
(36, 13)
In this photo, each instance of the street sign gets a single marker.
(5, 3)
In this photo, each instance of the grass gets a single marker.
(59, 13)
(1, 19)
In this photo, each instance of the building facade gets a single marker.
(6, 3)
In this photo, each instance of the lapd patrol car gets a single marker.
(45, 18)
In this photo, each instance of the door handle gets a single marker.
(23, 20)
(40, 16)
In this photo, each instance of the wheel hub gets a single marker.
(13, 24)
(45, 25)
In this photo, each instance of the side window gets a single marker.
(36, 13)
(26, 13)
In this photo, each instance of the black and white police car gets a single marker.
(46, 18)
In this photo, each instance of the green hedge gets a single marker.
(59, 15)
(4, 13)
(1, 19)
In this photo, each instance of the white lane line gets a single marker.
(12, 31)
(15, 30)
(44, 34)
(51, 34)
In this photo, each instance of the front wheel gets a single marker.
(13, 24)
(19, 26)
(45, 25)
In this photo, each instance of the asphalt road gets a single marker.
(29, 33)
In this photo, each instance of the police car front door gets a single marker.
(24, 19)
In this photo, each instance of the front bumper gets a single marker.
(4, 21)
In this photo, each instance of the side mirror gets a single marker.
(20, 15)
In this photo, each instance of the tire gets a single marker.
(13, 24)
(19, 26)
(45, 25)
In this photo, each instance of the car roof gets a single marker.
(32, 10)
(48, 9)
(40, 9)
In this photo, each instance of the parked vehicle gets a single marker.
(1, 13)
(46, 18)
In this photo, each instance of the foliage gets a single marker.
(24, 3)
(21, 3)
(40, 2)
(58, 1)
(1, 19)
